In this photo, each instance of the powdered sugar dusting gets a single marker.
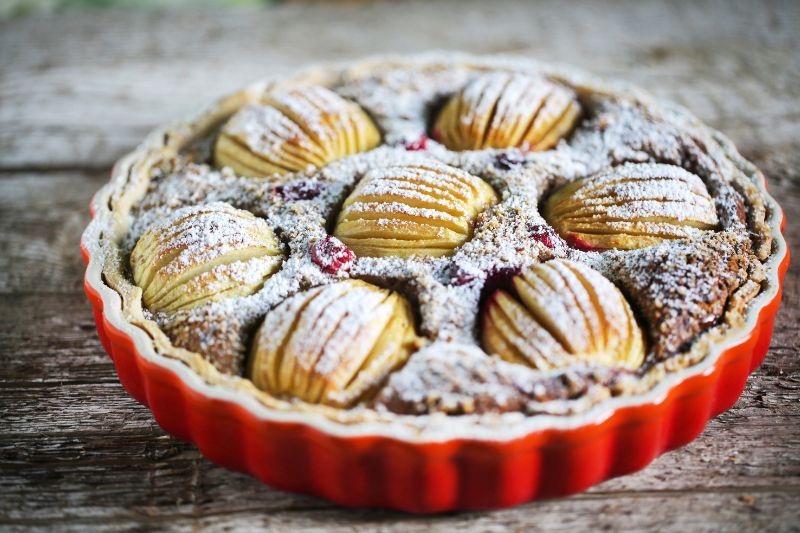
(204, 233)
(453, 373)
(265, 129)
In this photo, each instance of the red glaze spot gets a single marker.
(580, 244)
(331, 255)
(419, 144)
(545, 235)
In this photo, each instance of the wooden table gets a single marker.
(77, 90)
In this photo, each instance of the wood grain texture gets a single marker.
(85, 88)
(77, 91)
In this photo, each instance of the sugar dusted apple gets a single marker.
(562, 312)
(332, 344)
(203, 254)
(292, 130)
(413, 209)
(507, 110)
(631, 206)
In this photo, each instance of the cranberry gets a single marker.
(462, 278)
(419, 144)
(499, 275)
(495, 276)
(298, 190)
(331, 255)
(544, 234)
(508, 160)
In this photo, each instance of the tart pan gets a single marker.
(372, 465)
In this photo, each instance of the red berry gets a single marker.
(500, 275)
(331, 255)
(419, 144)
(494, 276)
(462, 278)
(545, 235)
(508, 160)
(298, 190)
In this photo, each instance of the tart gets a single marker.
(476, 255)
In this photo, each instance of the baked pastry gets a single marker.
(462, 237)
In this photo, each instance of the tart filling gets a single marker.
(439, 237)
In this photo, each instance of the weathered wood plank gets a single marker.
(58, 372)
(41, 220)
(66, 101)
(742, 450)
(751, 510)
(50, 340)
(94, 435)
(76, 452)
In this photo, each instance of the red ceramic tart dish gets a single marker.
(284, 283)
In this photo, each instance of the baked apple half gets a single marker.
(293, 130)
(332, 344)
(631, 206)
(562, 312)
(507, 110)
(203, 254)
(424, 208)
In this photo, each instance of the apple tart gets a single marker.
(448, 236)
